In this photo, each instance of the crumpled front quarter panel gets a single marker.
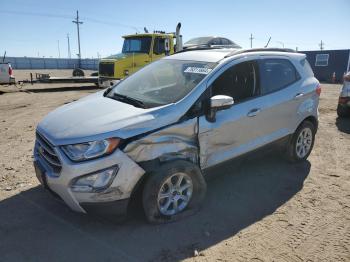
(175, 141)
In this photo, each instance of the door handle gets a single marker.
(298, 95)
(253, 112)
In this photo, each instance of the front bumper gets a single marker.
(59, 183)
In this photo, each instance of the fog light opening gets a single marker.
(95, 182)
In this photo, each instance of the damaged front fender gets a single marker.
(178, 141)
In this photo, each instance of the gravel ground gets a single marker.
(262, 210)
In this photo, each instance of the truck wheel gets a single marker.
(342, 111)
(174, 191)
(302, 142)
(78, 72)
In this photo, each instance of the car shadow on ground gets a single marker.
(343, 124)
(35, 227)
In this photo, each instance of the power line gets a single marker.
(92, 20)
(34, 14)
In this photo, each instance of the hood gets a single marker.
(120, 56)
(95, 117)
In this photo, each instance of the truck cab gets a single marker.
(138, 50)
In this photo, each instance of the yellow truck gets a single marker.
(138, 50)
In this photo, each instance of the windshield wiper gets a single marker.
(129, 100)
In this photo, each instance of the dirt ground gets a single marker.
(262, 210)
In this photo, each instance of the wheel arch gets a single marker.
(311, 119)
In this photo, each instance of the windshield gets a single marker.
(162, 82)
(137, 44)
(199, 41)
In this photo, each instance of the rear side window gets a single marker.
(276, 74)
(307, 67)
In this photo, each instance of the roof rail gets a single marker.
(204, 47)
(286, 50)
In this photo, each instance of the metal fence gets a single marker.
(51, 63)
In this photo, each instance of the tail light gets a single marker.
(318, 89)
(10, 70)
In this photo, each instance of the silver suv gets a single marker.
(157, 131)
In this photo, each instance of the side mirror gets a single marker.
(221, 102)
(218, 102)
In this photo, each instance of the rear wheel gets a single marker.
(343, 111)
(302, 142)
(174, 191)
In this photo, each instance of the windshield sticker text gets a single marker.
(198, 70)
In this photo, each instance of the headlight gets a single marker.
(96, 181)
(89, 150)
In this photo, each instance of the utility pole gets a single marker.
(77, 22)
(321, 45)
(58, 47)
(251, 40)
(69, 54)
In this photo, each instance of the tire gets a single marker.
(294, 151)
(343, 111)
(154, 204)
(78, 72)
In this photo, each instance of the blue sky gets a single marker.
(33, 28)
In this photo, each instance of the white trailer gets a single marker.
(6, 74)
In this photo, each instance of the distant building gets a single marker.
(325, 63)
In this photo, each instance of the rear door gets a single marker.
(280, 84)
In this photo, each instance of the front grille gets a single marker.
(106, 69)
(47, 152)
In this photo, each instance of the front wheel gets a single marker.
(172, 192)
(302, 142)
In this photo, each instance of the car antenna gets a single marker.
(268, 42)
(3, 58)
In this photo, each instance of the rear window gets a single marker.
(277, 74)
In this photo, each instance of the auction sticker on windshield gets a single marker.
(198, 70)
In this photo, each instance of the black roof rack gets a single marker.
(286, 50)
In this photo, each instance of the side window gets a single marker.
(276, 74)
(215, 41)
(159, 46)
(240, 82)
(224, 41)
(322, 60)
